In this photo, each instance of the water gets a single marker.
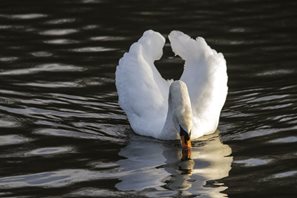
(62, 133)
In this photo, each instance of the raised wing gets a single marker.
(142, 92)
(205, 74)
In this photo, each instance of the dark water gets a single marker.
(62, 133)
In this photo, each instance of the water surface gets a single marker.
(62, 133)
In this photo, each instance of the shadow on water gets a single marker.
(152, 164)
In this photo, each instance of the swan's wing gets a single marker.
(205, 74)
(142, 92)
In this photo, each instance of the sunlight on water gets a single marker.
(58, 178)
(66, 133)
(24, 16)
(253, 162)
(8, 123)
(12, 139)
(290, 139)
(60, 21)
(61, 41)
(41, 54)
(53, 67)
(154, 164)
(93, 49)
(8, 59)
(45, 151)
(58, 32)
(107, 38)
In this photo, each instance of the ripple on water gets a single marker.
(8, 59)
(14, 93)
(66, 133)
(58, 32)
(57, 178)
(253, 134)
(285, 174)
(50, 67)
(42, 54)
(253, 162)
(5, 27)
(290, 139)
(265, 98)
(8, 123)
(103, 165)
(107, 38)
(60, 21)
(83, 130)
(91, 1)
(52, 85)
(60, 84)
(96, 192)
(61, 41)
(281, 175)
(24, 16)
(278, 72)
(47, 151)
(6, 140)
(90, 27)
(93, 49)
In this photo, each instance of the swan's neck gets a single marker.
(179, 111)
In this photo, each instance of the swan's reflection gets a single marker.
(153, 164)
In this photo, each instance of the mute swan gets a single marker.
(167, 109)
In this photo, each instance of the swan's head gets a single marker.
(180, 105)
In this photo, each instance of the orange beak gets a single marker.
(186, 148)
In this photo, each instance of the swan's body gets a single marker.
(157, 107)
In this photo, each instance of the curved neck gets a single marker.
(179, 111)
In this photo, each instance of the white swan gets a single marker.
(166, 109)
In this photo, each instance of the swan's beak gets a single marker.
(186, 144)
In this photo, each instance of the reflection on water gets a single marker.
(152, 164)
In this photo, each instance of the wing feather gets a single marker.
(205, 74)
(142, 91)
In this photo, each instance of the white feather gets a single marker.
(205, 74)
(143, 93)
